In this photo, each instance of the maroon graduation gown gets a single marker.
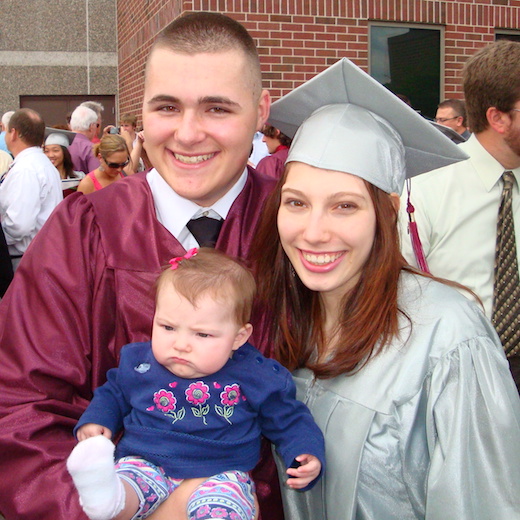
(274, 165)
(82, 291)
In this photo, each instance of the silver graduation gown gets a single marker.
(430, 428)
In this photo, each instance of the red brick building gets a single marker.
(299, 38)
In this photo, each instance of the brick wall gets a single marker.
(298, 38)
(138, 22)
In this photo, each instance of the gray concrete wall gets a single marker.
(57, 48)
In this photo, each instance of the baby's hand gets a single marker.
(308, 470)
(91, 430)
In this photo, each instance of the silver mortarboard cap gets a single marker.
(57, 139)
(449, 133)
(65, 137)
(344, 120)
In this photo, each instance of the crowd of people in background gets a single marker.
(89, 156)
(387, 283)
(86, 157)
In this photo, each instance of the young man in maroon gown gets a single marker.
(84, 287)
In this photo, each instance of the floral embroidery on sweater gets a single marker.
(167, 402)
(229, 398)
(197, 395)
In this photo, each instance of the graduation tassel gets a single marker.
(414, 234)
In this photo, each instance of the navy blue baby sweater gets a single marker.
(202, 427)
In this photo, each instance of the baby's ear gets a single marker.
(242, 335)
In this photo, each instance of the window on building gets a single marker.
(508, 35)
(407, 60)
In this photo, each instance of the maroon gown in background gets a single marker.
(82, 291)
(274, 165)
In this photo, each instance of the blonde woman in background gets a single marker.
(114, 156)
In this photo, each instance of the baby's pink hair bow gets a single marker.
(178, 259)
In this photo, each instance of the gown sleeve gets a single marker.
(47, 361)
(108, 406)
(287, 422)
(474, 436)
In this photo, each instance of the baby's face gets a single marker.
(193, 342)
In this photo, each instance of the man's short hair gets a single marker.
(129, 119)
(93, 105)
(204, 32)
(29, 125)
(82, 118)
(457, 105)
(274, 133)
(491, 78)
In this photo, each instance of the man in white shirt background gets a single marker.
(456, 207)
(31, 188)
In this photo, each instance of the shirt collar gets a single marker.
(487, 167)
(28, 151)
(174, 211)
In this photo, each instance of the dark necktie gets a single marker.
(506, 291)
(205, 230)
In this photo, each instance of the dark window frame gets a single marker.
(405, 70)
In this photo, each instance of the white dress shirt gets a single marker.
(174, 211)
(456, 210)
(29, 192)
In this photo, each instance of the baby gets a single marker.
(193, 402)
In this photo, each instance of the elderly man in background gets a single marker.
(3, 127)
(85, 122)
(98, 109)
(31, 188)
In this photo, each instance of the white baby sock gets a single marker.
(101, 491)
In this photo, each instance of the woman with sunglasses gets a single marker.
(113, 154)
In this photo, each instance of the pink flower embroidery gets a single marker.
(218, 512)
(197, 393)
(203, 511)
(165, 400)
(231, 395)
(229, 398)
